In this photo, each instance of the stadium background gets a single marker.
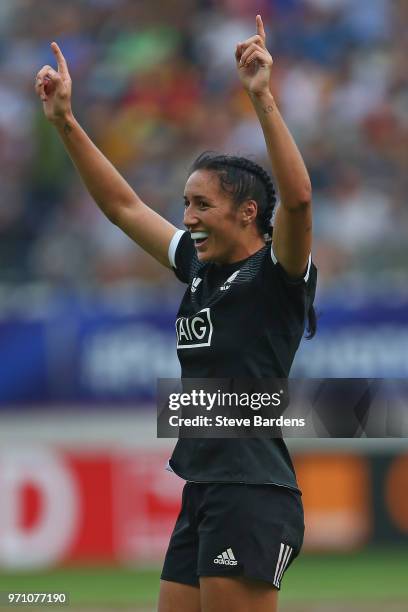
(86, 318)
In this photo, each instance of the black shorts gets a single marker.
(232, 529)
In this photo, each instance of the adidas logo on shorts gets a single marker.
(226, 558)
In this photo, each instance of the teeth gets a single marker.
(199, 235)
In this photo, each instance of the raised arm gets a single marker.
(292, 231)
(108, 188)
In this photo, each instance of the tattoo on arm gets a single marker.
(67, 129)
(268, 109)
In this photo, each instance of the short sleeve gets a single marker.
(302, 279)
(295, 295)
(182, 254)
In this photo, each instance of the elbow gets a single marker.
(304, 197)
(115, 211)
(305, 201)
(301, 200)
(112, 214)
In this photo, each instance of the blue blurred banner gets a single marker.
(94, 357)
(98, 355)
(368, 339)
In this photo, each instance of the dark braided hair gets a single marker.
(243, 180)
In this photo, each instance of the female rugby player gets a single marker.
(241, 522)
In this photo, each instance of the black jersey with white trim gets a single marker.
(244, 319)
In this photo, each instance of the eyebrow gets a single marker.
(198, 197)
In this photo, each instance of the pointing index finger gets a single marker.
(62, 64)
(260, 28)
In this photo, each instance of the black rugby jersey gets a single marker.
(244, 319)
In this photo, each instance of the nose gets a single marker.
(190, 218)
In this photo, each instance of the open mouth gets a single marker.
(199, 238)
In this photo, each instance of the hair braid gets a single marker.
(264, 216)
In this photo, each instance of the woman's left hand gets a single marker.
(254, 62)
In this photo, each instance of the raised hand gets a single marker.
(54, 88)
(254, 62)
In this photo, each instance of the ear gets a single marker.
(248, 211)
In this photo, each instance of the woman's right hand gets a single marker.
(54, 88)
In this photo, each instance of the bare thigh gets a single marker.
(222, 594)
(177, 597)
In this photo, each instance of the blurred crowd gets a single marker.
(155, 84)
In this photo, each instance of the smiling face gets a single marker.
(222, 232)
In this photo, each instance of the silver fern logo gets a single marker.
(229, 281)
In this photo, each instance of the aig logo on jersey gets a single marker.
(194, 331)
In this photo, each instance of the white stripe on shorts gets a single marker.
(285, 563)
(282, 546)
(283, 560)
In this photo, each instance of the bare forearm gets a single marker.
(105, 184)
(287, 164)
